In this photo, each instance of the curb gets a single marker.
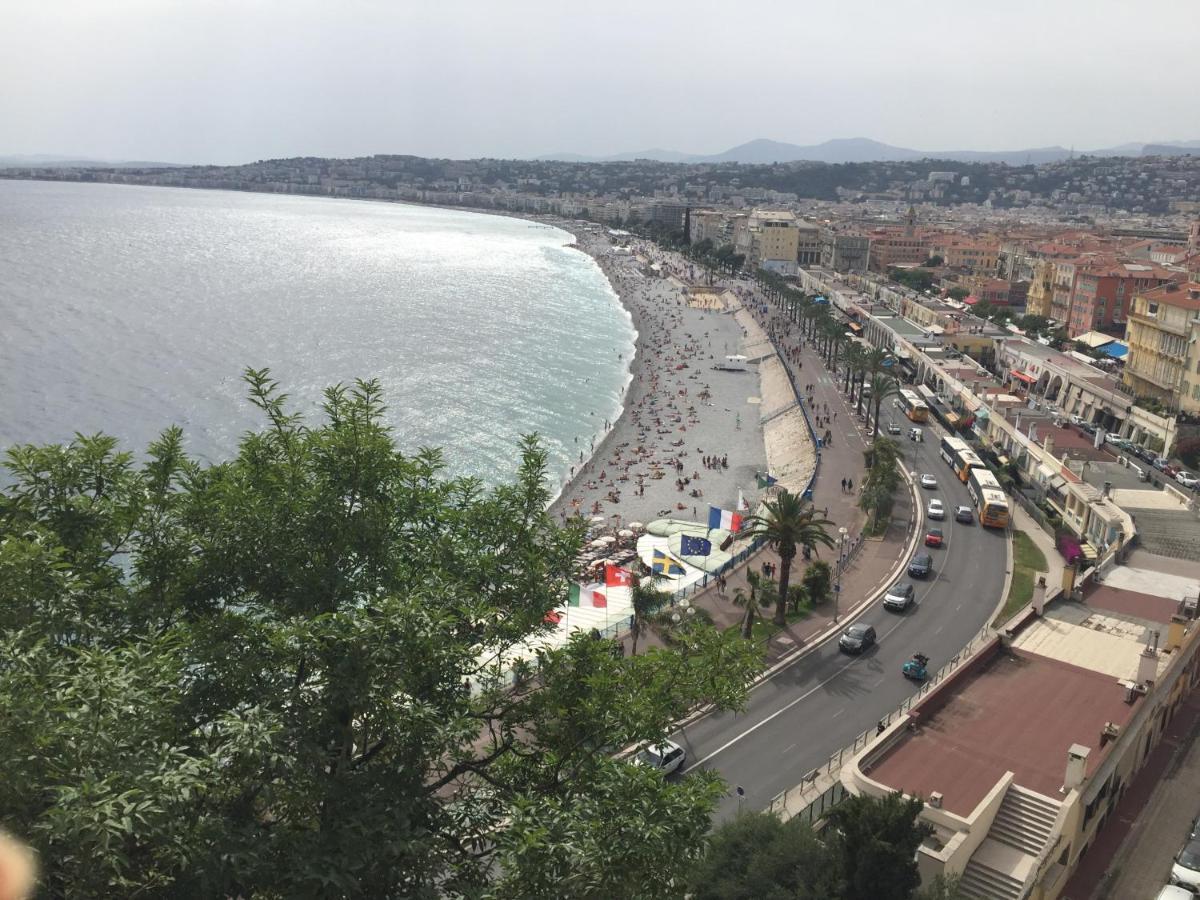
(852, 614)
(1010, 567)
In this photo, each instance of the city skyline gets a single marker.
(216, 83)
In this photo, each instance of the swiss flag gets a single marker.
(614, 576)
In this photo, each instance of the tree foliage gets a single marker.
(866, 851)
(788, 522)
(284, 675)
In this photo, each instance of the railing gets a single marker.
(833, 765)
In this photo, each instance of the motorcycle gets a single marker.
(917, 667)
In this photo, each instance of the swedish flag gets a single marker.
(661, 564)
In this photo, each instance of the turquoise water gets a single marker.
(127, 309)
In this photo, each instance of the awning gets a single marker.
(1089, 552)
(1051, 477)
(855, 327)
(1021, 376)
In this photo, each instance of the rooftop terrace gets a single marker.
(1017, 712)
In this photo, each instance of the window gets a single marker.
(1152, 309)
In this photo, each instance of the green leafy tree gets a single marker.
(818, 581)
(788, 523)
(883, 477)
(756, 856)
(958, 293)
(646, 598)
(287, 675)
(876, 841)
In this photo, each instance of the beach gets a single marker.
(691, 434)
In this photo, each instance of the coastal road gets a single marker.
(795, 720)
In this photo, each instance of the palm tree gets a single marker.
(646, 599)
(882, 459)
(748, 602)
(883, 387)
(788, 523)
(855, 359)
(872, 366)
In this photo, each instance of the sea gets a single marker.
(128, 309)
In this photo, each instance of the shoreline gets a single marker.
(660, 303)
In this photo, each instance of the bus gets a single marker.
(950, 420)
(989, 499)
(914, 407)
(960, 457)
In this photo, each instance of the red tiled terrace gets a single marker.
(1130, 603)
(1018, 712)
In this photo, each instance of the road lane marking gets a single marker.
(834, 716)
(772, 716)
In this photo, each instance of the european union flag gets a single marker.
(694, 546)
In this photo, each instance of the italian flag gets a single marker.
(591, 594)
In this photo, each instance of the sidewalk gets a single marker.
(1131, 855)
(1022, 521)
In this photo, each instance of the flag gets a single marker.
(615, 576)
(723, 518)
(694, 546)
(765, 480)
(742, 505)
(587, 593)
(552, 618)
(664, 565)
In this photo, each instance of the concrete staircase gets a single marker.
(1168, 532)
(1022, 828)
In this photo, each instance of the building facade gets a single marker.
(1164, 345)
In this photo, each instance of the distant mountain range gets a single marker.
(846, 150)
(71, 162)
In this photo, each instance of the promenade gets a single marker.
(872, 562)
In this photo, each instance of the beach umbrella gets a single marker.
(606, 540)
(625, 533)
(598, 544)
(598, 520)
(637, 526)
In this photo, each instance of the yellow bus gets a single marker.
(960, 457)
(914, 407)
(989, 499)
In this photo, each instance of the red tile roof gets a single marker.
(1020, 713)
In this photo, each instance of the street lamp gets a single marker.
(837, 587)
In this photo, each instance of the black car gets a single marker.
(921, 565)
(858, 638)
(964, 514)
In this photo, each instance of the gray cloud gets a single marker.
(220, 81)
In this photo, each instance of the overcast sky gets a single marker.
(219, 81)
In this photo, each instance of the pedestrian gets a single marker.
(850, 485)
(843, 485)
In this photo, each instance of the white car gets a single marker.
(1187, 479)
(1186, 870)
(665, 757)
(936, 510)
(1174, 892)
(928, 481)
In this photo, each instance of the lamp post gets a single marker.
(837, 586)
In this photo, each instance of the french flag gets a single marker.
(723, 518)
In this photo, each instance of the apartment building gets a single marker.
(1164, 345)
(1103, 287)
(977, 256)
(769, 239)
(710, 225)
(808, 243)
(1022, 753)
(845, 251)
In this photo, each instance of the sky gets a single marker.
(213, 81)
